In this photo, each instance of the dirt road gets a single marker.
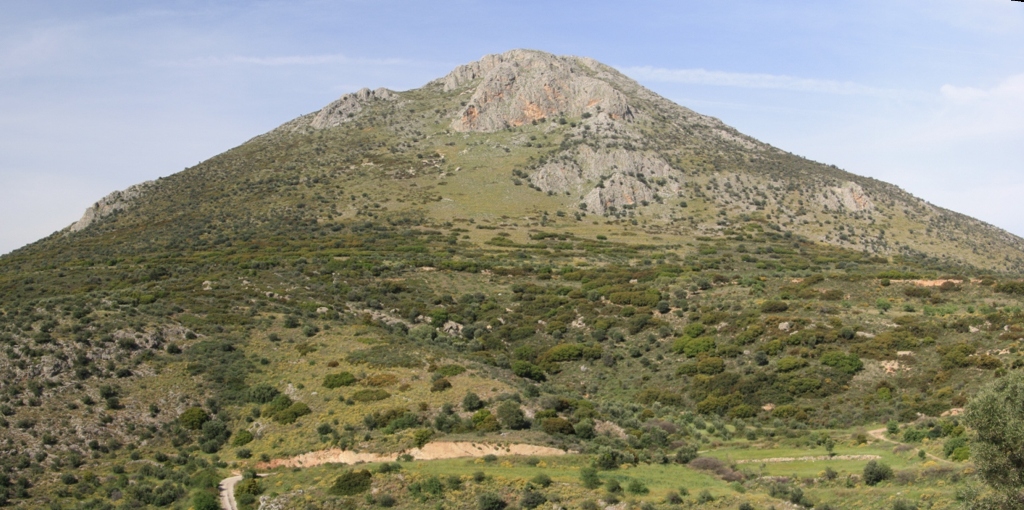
(430, 451)
(880, 435)
(227, 492)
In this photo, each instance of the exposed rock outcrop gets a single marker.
(849, 196)
(608, 178)
(522, 86)
(347, 106)
(116, 201)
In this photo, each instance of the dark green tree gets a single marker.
(996, 414)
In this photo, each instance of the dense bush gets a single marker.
(351, 483)
(338, 380)
(876, 472)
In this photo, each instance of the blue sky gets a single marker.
(96, 96)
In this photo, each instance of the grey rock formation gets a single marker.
(116, 201)
(608, 178)
(347, 106)
(850, 196)
(522, 86)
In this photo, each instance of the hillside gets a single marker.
(532, 249)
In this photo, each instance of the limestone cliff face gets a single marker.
(522, 86)
(347, 106)
(116, 201)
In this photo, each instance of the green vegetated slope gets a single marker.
(401, 268)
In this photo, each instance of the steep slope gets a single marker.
(531, 249)
(592, 140)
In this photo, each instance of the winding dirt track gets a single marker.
(880, 434)
(430, 451)
(227, 492)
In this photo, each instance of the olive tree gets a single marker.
(996, 414)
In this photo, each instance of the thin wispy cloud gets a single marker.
(755, 81)
(285, 60)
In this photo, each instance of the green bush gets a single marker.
(876, 472)
(848, 363)
(589, 478)
(511, 415)
(261, 393)
(242, 438)
(557, 426)
(291, 413)
(790, 363)
(441, 384)
(637, 487)
(528, 370)
(692, 347)
(450, 370)
(774, 307)
(193, 418)
(351, 483)
(338, 380)
(370, 395)
(490, 501)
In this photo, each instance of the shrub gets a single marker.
(637, 487)
(440, 385)
(249, 486)
(511, 415)
(532, 499)
(774, 307)
(242, 438)
(847, 363)
(528, 370)
(490, 501)
(685, 454)
(370, 395)
(790, 363)
(711, 365)
(557, 426)
(291, 413)
(243, 453)
(589, 478)
(193, 418)
(542, 480)
(332, 381)
(875, 472)
(450, 370)
(471, 402)
(261, 393)
(351, 483)
(692, 347)
(205, 501)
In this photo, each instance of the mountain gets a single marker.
(531, 249)
(595, 142)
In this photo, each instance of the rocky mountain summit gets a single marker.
(624, 153)
(533, 253)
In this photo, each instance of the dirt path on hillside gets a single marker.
(813, 458)
(431, 451)
(880, 435)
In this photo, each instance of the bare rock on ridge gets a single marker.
(522, 86)
(116, 201)
(347, 106)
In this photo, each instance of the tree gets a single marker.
(875, 472)
(511, 415)
(193, 418)
(996, 414)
